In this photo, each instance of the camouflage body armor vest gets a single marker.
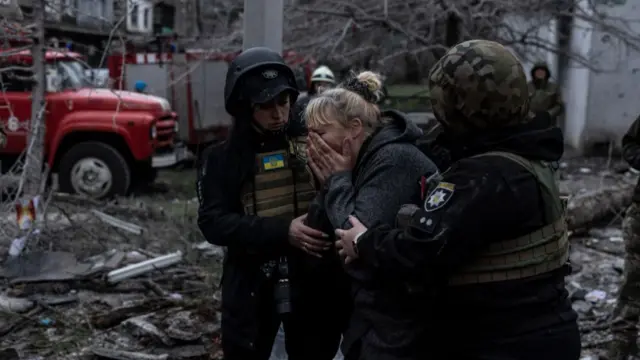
(281, 185)
(541, 251)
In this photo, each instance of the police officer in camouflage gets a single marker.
(626, 315)
(254, 192)
(545, 96)
(486, 249)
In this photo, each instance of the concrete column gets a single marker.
(263, 24)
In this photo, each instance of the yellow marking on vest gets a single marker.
(446, 185)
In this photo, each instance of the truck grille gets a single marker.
(166, 131)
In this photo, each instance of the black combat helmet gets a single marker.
(257, 75)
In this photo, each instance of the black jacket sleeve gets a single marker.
(222, 221)
(631, 145)
(439, 240)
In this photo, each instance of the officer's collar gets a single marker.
(260, 137)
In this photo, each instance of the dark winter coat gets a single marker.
(495, 199)
(250, 240)
(388, 168)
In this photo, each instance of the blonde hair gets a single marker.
(353, 99)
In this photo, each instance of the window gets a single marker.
(146, 19)
(101, 8)
(69, 75)
(140, 16)
(17, 80)
(133, 13)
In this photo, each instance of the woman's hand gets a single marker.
(324, 161)
(347, 247)
(306, 238)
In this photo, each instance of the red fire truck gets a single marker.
(193, 83)
(99, 141)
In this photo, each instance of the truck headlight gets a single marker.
(154, 132)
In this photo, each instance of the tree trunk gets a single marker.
(34, 158)
(587, 209)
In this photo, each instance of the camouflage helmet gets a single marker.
(479, 85)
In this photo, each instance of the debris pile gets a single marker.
(600, 192)
(91, 285)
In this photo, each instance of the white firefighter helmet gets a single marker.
(323, 74)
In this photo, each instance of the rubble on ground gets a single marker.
(58, 300)
(597, 251)
(121, 282)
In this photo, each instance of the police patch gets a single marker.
(439, 196)
(270, 74)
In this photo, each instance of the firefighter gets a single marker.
(486, 250)
(321, 79)
(544, 94)
(254, 191)
(626, 315)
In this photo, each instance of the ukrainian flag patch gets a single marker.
(273, 162)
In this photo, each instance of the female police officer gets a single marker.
(253, 193)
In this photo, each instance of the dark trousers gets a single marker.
(303, 341)
(312, 331)
(560, 342)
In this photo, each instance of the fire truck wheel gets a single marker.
(94, 169)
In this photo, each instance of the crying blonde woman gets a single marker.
(367, 165)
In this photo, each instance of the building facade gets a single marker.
(89, 26)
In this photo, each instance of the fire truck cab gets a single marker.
(100, 142)
(193, 82)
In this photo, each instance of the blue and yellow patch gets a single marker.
(439, 196)
(273, 162)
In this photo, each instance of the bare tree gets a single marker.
(380, 31)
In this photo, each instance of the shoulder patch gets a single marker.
(439, 196)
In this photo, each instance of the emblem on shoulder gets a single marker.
(439, 196)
